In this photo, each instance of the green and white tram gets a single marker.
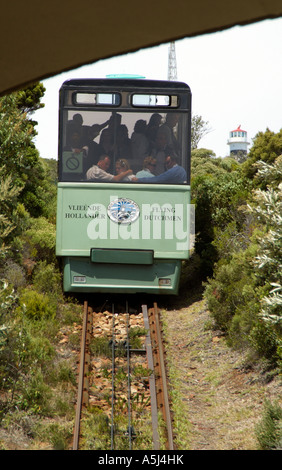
(123, 214)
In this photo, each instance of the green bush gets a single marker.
(36, 306)
(34, 394)
(40, 240)
(47, 279)
(59, 436)
(40, 350)
(265, 341)
(269, 430)
(8, 299)
(267, 147)
(14, 274)
(245, 293)
(23, 351)
(61, 372)
(229, 289)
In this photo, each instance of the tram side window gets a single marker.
(124, 147)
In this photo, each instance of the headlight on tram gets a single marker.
(164, 282)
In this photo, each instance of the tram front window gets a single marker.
(145, 147)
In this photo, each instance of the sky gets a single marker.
(235, 78)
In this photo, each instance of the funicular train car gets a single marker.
(123, 218)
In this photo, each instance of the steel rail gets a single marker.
(128, 379)
(113, 380)
(81, 378)
(159, 366)
(152, 383)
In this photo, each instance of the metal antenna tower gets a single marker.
(172, 69)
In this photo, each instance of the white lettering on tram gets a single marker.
(157, 222)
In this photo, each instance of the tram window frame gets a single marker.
(130, 118)
(71, 102)
(169, 101)
(115, 99)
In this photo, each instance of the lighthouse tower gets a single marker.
(238, 143)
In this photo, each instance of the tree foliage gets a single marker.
(218, 189)
(28, 100)
(199, 128)
(31, 298)
(267, 209)
(8, 209)
(269, 430)
(19, 158)
(244, 293)
(267, 146)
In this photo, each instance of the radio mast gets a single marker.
(172, 69)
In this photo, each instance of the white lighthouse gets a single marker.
(238, 143)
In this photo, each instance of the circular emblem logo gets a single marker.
(123, 211)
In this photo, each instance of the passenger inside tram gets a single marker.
(122, 166)
(139, 141)
(123, 145)
(149, 168)
(174, 173)
(100, 172)
(152, 127)
(143, 154)
(168, 128)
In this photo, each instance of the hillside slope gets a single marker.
(218, 399)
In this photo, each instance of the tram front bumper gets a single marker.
(98, 274)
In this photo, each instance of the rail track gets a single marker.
(134, 395)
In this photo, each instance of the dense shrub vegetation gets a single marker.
(244, 293)
(237, 254)
(37, 382)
